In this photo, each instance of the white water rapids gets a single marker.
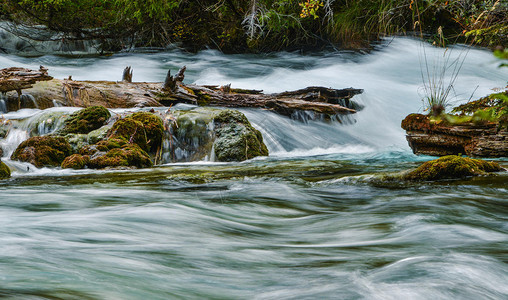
(303, 223)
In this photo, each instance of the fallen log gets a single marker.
(17, 79)
(127, 94)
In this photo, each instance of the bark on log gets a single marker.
(112, 94)
(17, 79)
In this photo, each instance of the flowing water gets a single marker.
(307, 222)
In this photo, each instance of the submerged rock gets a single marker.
(98, 134)
(86, 120)
(450, 167)
(75, 161)
(192, 135)
(5, 172)
(77, 141)
(236, 139)
(43, 151)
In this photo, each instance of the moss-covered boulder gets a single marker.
(236, 139)
(129, 130)
(86, 120)
(450, 167)
(110, 144)
(154, 129)
(43, 151)
(5, 172)
(75, 161)
(77, 141)
(131, 155)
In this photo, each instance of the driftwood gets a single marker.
(140, 94)
(127, 74)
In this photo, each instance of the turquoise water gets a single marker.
(308, 222)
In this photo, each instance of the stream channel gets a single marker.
(306, 222)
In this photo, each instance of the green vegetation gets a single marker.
(43, 151)
(259, 25)
(86, 120)
(75, 161)
(129, 130)
(493, 108)
(5, 172)
(153, 127)
(130, 155)
(450, 167)
(490, 109)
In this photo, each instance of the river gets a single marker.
(306, 222)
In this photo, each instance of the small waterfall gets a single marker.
(190, 136)
(57, 103)
(46, 121)
(28, 100)
(3, 105)
(19, 126)
(15, 137)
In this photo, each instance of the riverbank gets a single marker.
(252, 26)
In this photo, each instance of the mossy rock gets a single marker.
(75, 161)
(416, 122)
(236, 139)
(77, 141)
(154, 129)
(130, 155)
(450, 167)
(131, 131)
(5, 172)
(43, 151)
(86, 120)
(110, 144)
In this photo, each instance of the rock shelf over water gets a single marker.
(480, 130)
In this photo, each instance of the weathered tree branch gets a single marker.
(127, 74)
(320, 100)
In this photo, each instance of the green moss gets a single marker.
(109, 144)
(43, 151)
(492, 108)
(203, 99)
(451, 166)
(86, 120)
(130, 130)
(75, 161)
(154, 129)
(5, 172)
(236, 139)
(130, 155)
